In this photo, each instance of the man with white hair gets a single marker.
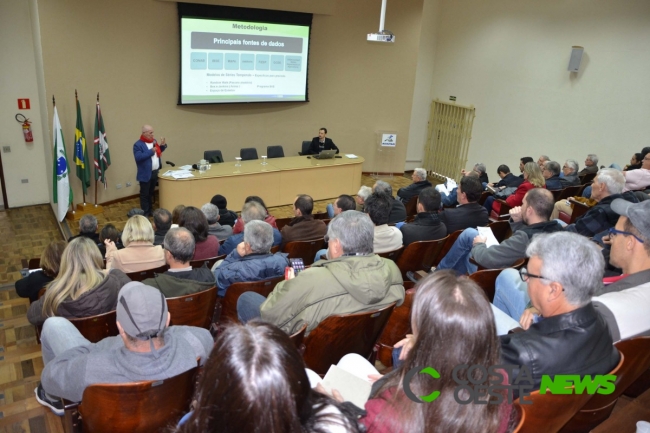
(542, 160)
(591, 165)
(569, 176)
(211, 213)
(362, 195)
(419, 178)
(87, 229)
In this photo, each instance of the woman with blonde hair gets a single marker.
(533, 178)
(82, 288)
(29, 286)
(139, 252)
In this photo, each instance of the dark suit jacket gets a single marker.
(465, 216)
(510, 180)
(314, 147)
(554, 183)
(397, 212)
(426, 227)
(303, 229)
(406, 193)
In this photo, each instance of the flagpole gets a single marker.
(83, 189)
(96, 178)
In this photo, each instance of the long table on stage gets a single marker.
(277, 183)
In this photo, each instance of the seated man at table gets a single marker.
(572, 338)
(351, 281)
(303, 227)
(419, 178)
(252, 211)
(180, 279)
(397, 209)
(252, 259)
(320, 143)
(146, 349)
(427, 225)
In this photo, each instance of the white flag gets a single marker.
(61, 181)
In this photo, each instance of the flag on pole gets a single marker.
(61, 180)
(81, 153)
(102, 156)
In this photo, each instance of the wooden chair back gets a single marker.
(579, 209)
(483, 197)
(582, 188)
(197, 264)
(299, 337)
(275, 249)
(96, 328)
(321, 216)
(420, 255)
(34, 263)
(486, 279)
(556, 193)
(548, 412)
(148, 273)
(569, 191)
(281, 222)
(195, 309)
(503, 211)
(635, 359)
(306, 250)
(145, 406)
(587, 178)
(501, 230)
(412, 206)
(398, 325)
(229, 301)
(340, 334)
(391, 255)
(451, 238)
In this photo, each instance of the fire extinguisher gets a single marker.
(27, 129)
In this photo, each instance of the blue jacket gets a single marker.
(234, 240)
(253, 267)
(142, 156)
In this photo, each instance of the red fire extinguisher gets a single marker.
(27, 129)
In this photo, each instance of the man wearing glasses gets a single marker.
(572, 338)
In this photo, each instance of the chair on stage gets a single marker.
(274, 152)
(305, 148)
(213, 156)
(248, 153)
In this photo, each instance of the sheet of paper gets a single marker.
(34, 270)
(352, 388)
(181, 174)
(167, 173)
(442, 189)
(486, 232)
(185, 167)
(351, 155)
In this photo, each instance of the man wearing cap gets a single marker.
(146, 349)
(625, 303)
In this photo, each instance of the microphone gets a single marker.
(195, 166)
(170, 163)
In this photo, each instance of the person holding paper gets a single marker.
(146, 152)
(320, 143)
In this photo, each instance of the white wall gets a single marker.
(18, 79)
(509, 59)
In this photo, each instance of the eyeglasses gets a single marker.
(525, 276)
(613, 232)
(326, 238)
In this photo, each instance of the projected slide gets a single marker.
(225, 61)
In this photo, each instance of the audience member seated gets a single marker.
(530, 219)
(635, 162)
(479, 168)
(542, 160)
(239, 225)
(180, 279)
(533, 178)
(162, 222)
(176, 215)
(386, 238)
(255, 381)
(427, 225)
(625, 304)
(468, 213)
(639, 178)
(139, 252)
(226, 217)
(551, 173)
(87, 228)
(569, 176)
(215, 229)
(397, 209)
(252, 259)
(420, 182)
(82, 288)
(341, 204)
(252, 211)
(303, 227)
(449, 195)
(591, 165)
(522, 163)
(351, 281)
(206, 245)
(508, 180)
(109, 231)
(446, 311)
(29, 286)
(362, 195)
(146, 349)
(573, 338)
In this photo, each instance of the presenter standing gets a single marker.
(320, 143)
(146, 152)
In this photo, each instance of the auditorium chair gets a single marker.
(483, 197)
(392, 255)
(229, 301)
(298, 337)
(305, 250)
(138, 407)
(587, 178)
(195, 309)
(281, 222)
(321, 215)
(197, 264)
(96, 328)
(556, 193)
(305, 148)
(500, 229)
(274, 152)
(275, 249)
(340, 334)
(569, 191)
(412, 206)
(579, 209)
(504, 211)
(248, 153)
(148, 273)
(213, 156)
(398, 325)
(419, 256)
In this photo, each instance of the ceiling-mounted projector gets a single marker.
(383, 35)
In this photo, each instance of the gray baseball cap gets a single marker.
(141, 310)
(637, 213)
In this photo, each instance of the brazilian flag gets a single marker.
(81, 153)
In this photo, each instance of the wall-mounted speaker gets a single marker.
(576, 58)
